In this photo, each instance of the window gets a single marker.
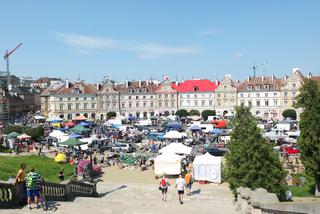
(129, 97)
(293, 85)
(101, 98)
(114, 105)
(275, 94)
(266, 87)
(285, 103)
(203, 103)
(85, 98)
(137, 90)
(144, 97)
(266, 103)
(218, 95)
(249, 103)
(123, 105)
(195, 103)
(188, 96)
(249, 87)
(108, 97)
(224, 86)
(241, 95)
(144, 104)
(195, 96)
(275, 102)
(172, 103)
(195, 88)
(160, 104)
(285, 94)
(151, 97)
(258, 103)
(166, 96)
(69, 98)
(69, 106)
(249, 95)
(166, 104)
(151, 104)
(224, 95)
(145, 90)
(258, 87)
(130, 105)
(181, 96)
(85, 106)
(92, 98)
(101, 105)
(137, 97)
(160, 96)
(257, 95)
(61, 107)
(210, 103)
(93, 106)
(266, 94)
(60, 99)
(172, 96)
(77, 106)
(137, 104)
(293, 94)
(129, 90)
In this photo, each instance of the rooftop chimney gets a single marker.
(285, 78)
(176, 83)
(217, 82)
(248, 79)
(262, 78)
(139, 83)
(98, 86)
(147, 82)
(67, 83)
(272, 78)
(127, 83)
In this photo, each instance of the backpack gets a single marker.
(163, 182)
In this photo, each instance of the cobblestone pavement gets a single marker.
(144, 198)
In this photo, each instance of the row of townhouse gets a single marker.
(267, 96)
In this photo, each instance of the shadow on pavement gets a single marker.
(194, 192)
(111, 191)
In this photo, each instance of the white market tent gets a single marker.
(57, 133)
(207, 167)
(174, 135)
(176, 148)
(39, 117)
(167, 163)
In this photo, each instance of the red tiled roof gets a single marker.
(203, 85)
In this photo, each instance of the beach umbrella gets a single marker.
(84, 124)
(216, 131)
(195, 128)
(60, 158)
(13, 135)
(71, 142)
(23, 136)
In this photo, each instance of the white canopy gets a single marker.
(57, 133)
(207, 167)
(176, 148)
(39, 117)
(167, 163)
(54, 119)
(174, 135)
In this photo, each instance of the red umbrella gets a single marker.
(70, 124)
(80, 117)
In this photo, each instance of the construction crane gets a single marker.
(6, 57)
(255, 66)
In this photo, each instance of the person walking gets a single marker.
(33, 182)
(61, 175)
(21, 184)
(164, 184)
(189, 181)
(180, 186)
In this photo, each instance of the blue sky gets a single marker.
(137, 39)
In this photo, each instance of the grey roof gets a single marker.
(21, 90)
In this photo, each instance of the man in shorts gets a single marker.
(33, 182)
(189, 180)
(180, 185)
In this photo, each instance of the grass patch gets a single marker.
(5, 150)
(304, 191)
(47, 167)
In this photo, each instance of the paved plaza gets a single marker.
(144, 198)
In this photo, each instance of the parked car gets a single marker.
(123, 147)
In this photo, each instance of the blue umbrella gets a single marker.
(84, 124)
(74, 135)
(216, 131)
(131, 118)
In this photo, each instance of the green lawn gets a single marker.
(303, 191)
(44, 165)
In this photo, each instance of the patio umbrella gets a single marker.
(60, 157)
(13, 135)
(23, 136)
(84, 124)
(79, 129)
(216, 131)
(79, 118)
(70, 124)
(195, 128)
(72, 142)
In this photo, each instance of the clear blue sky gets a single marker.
(136, 39)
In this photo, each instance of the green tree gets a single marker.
(14, 128)
(35, 133)
(309, 140)
(194, 112)
(251, 161)
(182, 113)
(206, 113)
(111, 114)
(290, 113)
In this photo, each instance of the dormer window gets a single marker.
(137, 90)
(266, 87)
(145, 90)
(258, 87)
(249, 87)
(129, 90)
(195, 88)
(77, 90)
